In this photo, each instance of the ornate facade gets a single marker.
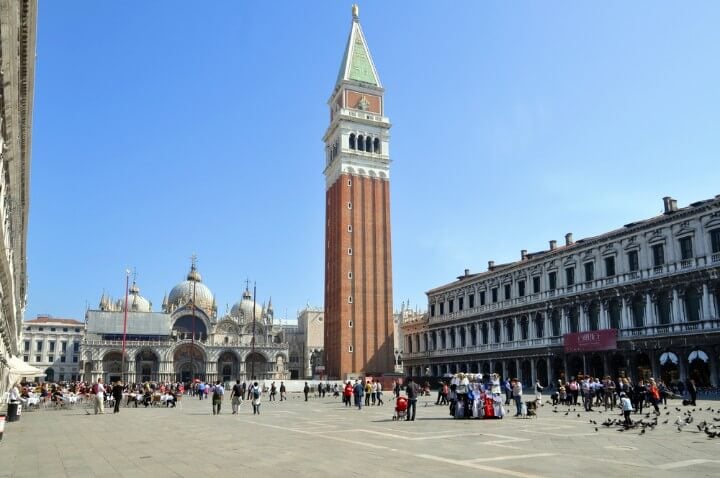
(638, 301)
(17, 76)
(186, 340)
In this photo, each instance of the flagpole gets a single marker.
(127, 288)
(252, 364)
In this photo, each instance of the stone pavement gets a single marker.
(322, 438)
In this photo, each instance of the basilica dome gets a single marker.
(243, 310)
(136, 302)
(193, 287)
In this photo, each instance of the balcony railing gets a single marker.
(670, 268)
(472, 349)
(670, 329)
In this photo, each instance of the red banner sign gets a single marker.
(591, 341)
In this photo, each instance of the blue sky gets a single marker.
(163, 129)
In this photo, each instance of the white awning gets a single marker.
(20, 369)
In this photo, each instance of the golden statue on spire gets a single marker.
(355, 11)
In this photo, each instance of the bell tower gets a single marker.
(358, 260)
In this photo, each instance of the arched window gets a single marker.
(352, 140)
(376, 145)
(524, 328)
(509, 330)
(573, 320)
(360, 143)
(615, 311)
(496, 328)
(368, 144)
(594, 316)
(485, 334)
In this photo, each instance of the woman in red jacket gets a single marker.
(347, 394)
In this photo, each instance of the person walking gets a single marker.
(368, 392)
(117, 393)
(273, 391)
(358, 392)
(517, 391)
(654, 395)
(217, 397)
(256, 393)
(508, 391)
(99, 390)
(306, 390)
(282, 391)
(411, 390)
(348, 394)
(236, 395)
(379, 394)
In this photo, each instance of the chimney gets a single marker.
(669, 204)
(523, 254)
(553, 245)
(491, 265)
(568, 239)
(467, 272)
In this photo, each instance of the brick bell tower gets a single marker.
(358, 261)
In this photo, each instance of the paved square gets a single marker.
(322, 438)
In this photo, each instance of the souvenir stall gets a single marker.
(475, 396)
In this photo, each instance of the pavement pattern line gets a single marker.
(510, 457)
(492, 469)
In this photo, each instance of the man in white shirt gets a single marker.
(99, 397)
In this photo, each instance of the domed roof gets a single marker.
(136, 302)
(244, 309)
(191, 288)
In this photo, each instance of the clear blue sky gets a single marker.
(167, 128)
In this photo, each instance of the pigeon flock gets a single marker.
(710, 424)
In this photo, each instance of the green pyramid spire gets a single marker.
(357, 64)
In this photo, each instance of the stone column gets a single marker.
(505, 370)
(606, 365)
(654, 364)
(625, 314)
(563, 321)
(548, 370)
(604, 322)
(682, 365)
(677, 308)
(584, 364)
(533, 371)
(706, 312)
(714, 378)
(650, 310)
(583, 319)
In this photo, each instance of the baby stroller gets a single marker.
(401, 406)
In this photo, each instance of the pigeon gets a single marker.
(689, 420)
(555, 411)
(668, 413)
(647, 415)
(621, 429)
(679, 428)
(642, 432)
(676, 408)
(596, 428)
(578, 415)
(567, 413)
(665, 422)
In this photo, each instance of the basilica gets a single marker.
(184, 341)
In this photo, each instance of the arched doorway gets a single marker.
(499, 370)
(228, 367)
(49, 375)
(541, 372)
(112, 365)
(575, 367)
(618, 367)
(558, 370)
(146, 366)
(643, 366)
(255, 365)
(189, 363)
(512, 370)
(596, 366)
(699, 368)
(669, 368)
(526, 373)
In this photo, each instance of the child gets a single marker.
(627, 407)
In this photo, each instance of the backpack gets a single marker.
(95, 388)
(256, 393)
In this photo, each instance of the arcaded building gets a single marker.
(18, 24)
(358, 262)
(185, 340)
(638, 301)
